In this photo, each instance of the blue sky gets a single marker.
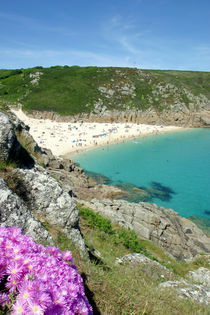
(149, 34)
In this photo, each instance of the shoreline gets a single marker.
(65, 139)
(120, 140)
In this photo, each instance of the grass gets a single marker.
(7, 165)
(124, 289)
(117, 235)
(72, 90)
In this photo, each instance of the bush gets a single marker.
(96, 220)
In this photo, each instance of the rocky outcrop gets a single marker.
(64, 170)
(14, 213)
(42, 194)
(48, 201)
(156, 270)
(185, 289)
(7, 137)
(201, 275)
(205, 119)
(136, 258)
(179, 237)
(176, 116)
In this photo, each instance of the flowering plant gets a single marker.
(38, 280)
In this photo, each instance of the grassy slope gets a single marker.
(71, 90)
(127, 289)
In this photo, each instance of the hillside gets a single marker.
(74, 90)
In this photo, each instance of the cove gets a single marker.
(171, 170)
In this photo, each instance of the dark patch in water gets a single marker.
(207, 212)
(146, 194)
(99, 178)
(133, 193)
(158, 191)
(162, 188)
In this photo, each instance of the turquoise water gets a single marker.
(173, 168)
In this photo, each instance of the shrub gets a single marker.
(96, 220)
(126, 237)
(38, 280)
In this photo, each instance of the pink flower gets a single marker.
(34, 308)
(40, 278)
(19, 309)
(15, 269)
(67, 255)
(4, 298)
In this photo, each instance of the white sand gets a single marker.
(64, 138)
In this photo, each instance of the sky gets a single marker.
(145, 34)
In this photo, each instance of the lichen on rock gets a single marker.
(13, 212)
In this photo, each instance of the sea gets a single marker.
(171, 170)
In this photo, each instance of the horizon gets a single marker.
(150, 35)
(52, 66)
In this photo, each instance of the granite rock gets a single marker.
(185, 289)
(7, 137)
(201, 275)
(13, 212)
(46, 198)
(179, 237)
(39, 191)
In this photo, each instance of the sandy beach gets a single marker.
(70, 138)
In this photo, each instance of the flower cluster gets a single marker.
(38, 280)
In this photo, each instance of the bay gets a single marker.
(171, 170)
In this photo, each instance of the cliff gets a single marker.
(179, 237)
(37, 196)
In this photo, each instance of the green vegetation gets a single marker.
(117, 235)
(72, 90)
(5, 166)
(125, 289)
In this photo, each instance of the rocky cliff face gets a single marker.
(41, 194)
(13, 212)
(183, 116)
(48, 201)
(179, 237)
(7, 138)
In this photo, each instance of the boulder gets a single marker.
(136, 258)
(185, 289)
(14, 213)
(179, 237)
(201, 275)
(149, 266)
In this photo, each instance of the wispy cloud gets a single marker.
(124, 33)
